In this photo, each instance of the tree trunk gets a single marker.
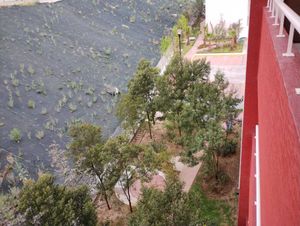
(179, 130)
(129, 200)
(178, 126)
(106, 200)
(149, 124)
(217, 166)
(105, 195)
(126, 191)
(103, 187)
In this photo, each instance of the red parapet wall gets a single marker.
(250, 117)
(278, 116)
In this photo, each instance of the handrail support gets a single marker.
(289, 52)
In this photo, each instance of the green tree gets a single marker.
(173, 86)
(234, 31)
(45, 203)
(209, 107)
(95, 157)
(84, 136)
(127, 112)
(140, 97)
(136, 162)
(182, 24)
(163, 208)
(191, 102)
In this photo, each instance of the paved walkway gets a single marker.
(193, 51)
(233, 65)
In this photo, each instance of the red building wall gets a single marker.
(279, 138)
(271, 101)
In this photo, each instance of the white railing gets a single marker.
(279, 11)
(257, 177)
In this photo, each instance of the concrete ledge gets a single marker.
(9, 3)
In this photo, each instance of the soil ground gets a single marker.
(117, 215)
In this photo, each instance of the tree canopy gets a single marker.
(42, 202)
(139, 102)
(163, 208)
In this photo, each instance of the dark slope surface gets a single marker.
(61, 56)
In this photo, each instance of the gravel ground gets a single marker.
(60, 56)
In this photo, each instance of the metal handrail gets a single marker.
(280, 11)
(257, 177)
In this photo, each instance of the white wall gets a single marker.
(230, 10)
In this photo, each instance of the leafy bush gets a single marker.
(165, 43)
(31, 104)
(158, 147)
(30, 70)
(40, 134)
(229, 148)
(15, 135)
(45, 203)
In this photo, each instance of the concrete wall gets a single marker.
(7, 3)
(230, 10)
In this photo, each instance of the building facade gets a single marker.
(270, 153)
(231, 11)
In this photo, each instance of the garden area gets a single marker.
(219, 39)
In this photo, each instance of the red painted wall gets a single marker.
(271, 101)
(250, 117)
(279, 140)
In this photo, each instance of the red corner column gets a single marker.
(250, 118)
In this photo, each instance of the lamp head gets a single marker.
(179, 32)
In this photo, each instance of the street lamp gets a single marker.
(179, 32)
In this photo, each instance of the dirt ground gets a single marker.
(160, 136)
(116, 215)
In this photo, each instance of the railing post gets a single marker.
(276, 16)
(280, 35)
(290, 42)
(270, 5)
(273, 9)
(257, 177)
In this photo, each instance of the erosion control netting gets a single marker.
(55, 61)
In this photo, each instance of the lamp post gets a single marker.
(179, 32)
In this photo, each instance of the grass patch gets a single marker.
(226, 49)
(165, 43)
(212, 211)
